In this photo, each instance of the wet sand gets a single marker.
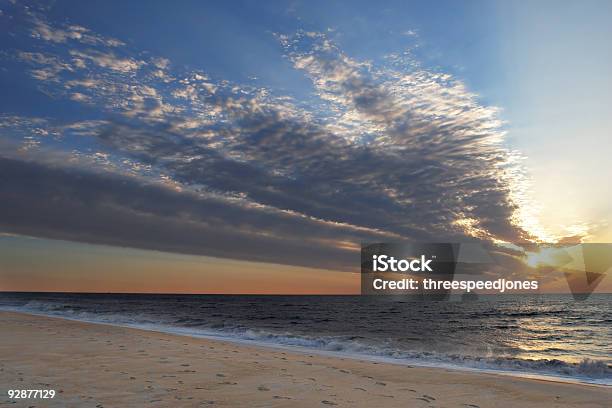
(99, 366)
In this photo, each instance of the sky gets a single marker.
(181, 147)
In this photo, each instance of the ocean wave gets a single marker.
(348, 345)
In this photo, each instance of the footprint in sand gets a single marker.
(263, 388)
(426, 398)
(327, 402)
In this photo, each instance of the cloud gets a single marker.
(76, 204)
(410, 33)
(44, 31)
(108, 60)
(202, 165)
(48, 67)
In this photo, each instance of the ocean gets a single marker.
(549, 336)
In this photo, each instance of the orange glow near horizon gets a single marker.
(41, 265)
(32, 264)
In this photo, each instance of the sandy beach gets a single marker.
(105, 366)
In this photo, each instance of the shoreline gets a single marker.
(120, 366)
(550, 377)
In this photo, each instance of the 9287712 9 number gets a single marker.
(30, 394)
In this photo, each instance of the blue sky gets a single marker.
(226, 130)
(236, 42)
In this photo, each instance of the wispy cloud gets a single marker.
(44, 31)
